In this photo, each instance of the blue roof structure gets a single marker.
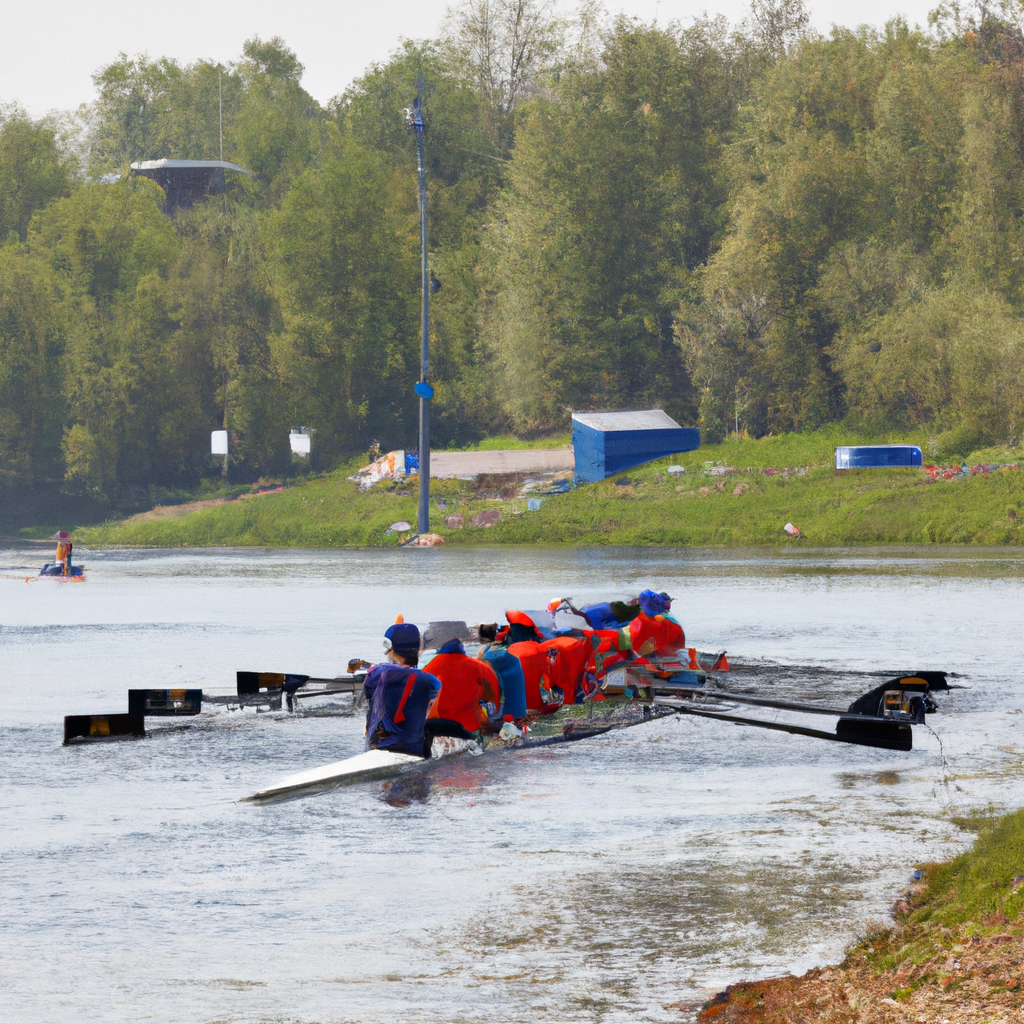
(868, 456)
(605, 443)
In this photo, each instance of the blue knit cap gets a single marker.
(404, 637)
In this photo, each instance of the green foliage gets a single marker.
(150, 110)
(957, 444)
(344, 242)
(870, 268)
(765, 230)
(33, 170)
(464, 171)
(32, 406)
(978, 887)
(611, 200)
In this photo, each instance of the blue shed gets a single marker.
(608, 442)
(867, 456)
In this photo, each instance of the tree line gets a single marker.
(756, 227)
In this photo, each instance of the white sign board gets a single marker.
(299, 440)
(219, 442)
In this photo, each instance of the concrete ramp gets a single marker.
(523, 460)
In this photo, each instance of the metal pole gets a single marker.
(220, 112)
(423, 524)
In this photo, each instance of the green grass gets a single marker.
(642, 506)
(507, 442)
(975, 894)
(978, 887)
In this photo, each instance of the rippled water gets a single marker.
(622, 878)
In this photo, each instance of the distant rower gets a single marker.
(64, 549)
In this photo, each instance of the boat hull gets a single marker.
(372, 764)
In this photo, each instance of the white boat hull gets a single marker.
(369, 765)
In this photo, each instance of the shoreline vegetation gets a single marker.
(954, 953)
(751, 225)
(736, 494)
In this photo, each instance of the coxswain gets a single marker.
(467, 684)
(399, 695)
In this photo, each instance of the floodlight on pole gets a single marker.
(417, 124)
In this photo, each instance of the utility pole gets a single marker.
(220, 111)
(423, 389)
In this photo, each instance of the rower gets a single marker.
(399, 695)
(466, 685)
(509, 672)
(654, 630)
(573, 668)
(63, 553)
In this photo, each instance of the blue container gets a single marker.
(606, 443)
(870, 456)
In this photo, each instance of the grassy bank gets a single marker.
(644, 506)
(954, 954)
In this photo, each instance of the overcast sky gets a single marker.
(52, 47)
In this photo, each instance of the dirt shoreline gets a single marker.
(916, 972)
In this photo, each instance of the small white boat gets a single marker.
(372, 764)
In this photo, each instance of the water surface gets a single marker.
(619, 879)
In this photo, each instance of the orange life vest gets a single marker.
(465, 682)
(652, 634)
(537, 670)
(574, 658)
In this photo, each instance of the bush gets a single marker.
(958, 443)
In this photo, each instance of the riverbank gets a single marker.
(740, 493)
(954, 955)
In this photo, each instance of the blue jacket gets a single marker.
(513, 683)
(398, 700)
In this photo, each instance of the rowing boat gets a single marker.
(569, 725)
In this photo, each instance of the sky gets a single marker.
(51, 48)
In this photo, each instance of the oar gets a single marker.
(879, 732)
(763, 702)
(267, 687)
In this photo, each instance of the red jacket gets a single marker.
(652, 634)
(465, 682)
(575, 657)
(537, 669)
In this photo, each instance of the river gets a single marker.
(623, 878)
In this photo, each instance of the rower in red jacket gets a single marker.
(572, 669)
(466, 684)
(654, 631)
(541, 693)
